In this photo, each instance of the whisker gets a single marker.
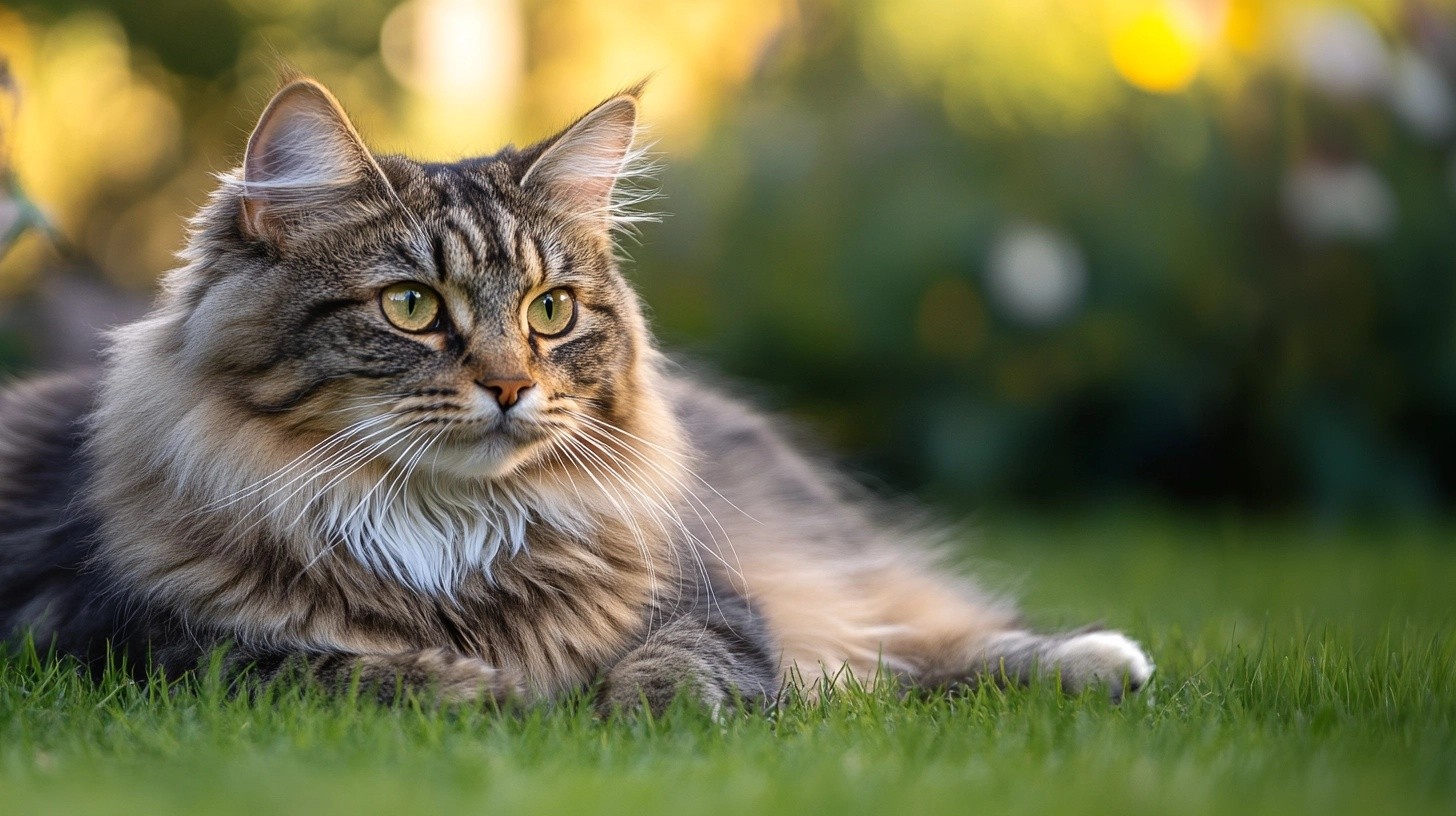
(623, 512)
(317, 449)
(389, 467)
(353, 461)
(407, 462)
(652, 587)
(695, 544)
(597, 445)
(664, 509)
(603, 423)
(330, 458)
(606, 429)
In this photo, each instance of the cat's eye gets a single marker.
(552, 313)
(411, 307)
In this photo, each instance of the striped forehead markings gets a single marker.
(468, 239)
(466, 216)
(530, 258)
(441, 262)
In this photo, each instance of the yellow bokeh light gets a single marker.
(1244, 25)
(1156, 51)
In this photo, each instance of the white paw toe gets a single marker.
(1101, 658)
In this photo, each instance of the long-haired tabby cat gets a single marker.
(403, 424)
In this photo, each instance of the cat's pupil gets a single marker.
(410, 299)
(550, 304)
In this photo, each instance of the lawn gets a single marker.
(1300, 670)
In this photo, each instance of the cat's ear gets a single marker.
(306, 166)
(577, 170)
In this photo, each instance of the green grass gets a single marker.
(1298, 672)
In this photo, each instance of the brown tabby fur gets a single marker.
(266, 463)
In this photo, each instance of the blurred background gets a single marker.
(1010, 253)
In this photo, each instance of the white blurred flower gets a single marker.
(1331, 202)
(1421, 97)
(1341, 53)
(1036, 274)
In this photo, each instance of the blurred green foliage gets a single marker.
(1218, 355)
(1246, 288)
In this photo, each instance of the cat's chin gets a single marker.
(487, 460)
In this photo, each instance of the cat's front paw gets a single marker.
(651, 679)
(447, 676)
(1109, 659)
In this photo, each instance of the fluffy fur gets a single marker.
(266, 462)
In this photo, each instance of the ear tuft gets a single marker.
(586, 170)
(303, 160)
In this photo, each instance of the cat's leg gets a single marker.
(866, 614)
(945, 633)
(439, 674)
(719, 654)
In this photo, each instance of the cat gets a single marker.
(402, 426)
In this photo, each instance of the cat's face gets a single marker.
(464, 318)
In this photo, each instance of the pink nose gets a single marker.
(507, 390)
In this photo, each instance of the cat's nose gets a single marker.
(507, 390)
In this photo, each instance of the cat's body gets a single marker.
(403, 423)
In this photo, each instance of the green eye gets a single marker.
(552, 313)
(410, 306)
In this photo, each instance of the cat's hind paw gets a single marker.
(1109, 659)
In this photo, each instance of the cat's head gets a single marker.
(421, 362)
(467, 317)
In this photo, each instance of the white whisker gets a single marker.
(573, 447)
(609, 430)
